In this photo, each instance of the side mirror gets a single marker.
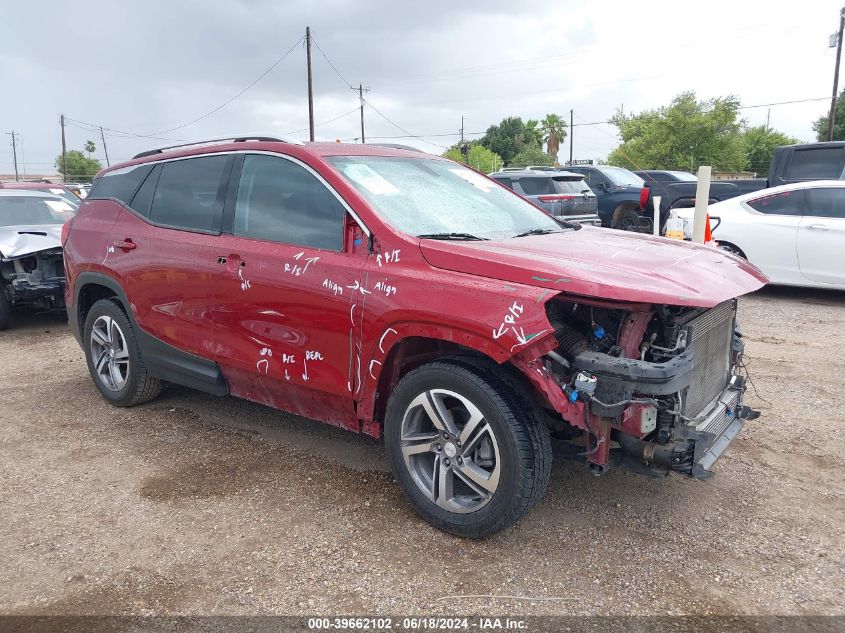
(601, 186)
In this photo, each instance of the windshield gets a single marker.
(25, 210)
(684, 176)
(622, 177)
(422, 196)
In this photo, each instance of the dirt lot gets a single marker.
(197, 505)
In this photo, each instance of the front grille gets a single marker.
(710, 339)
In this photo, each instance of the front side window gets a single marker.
(826, 202)
(281, 201)
(190, 193)
(783, 203)
(424, 196)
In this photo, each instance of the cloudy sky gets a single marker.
(148, 69)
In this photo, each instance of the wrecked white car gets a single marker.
(32, 270)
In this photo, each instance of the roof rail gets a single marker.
(236, 139)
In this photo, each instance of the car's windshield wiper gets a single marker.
(537, 232)
(452, 236)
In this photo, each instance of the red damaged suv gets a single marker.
(402, 295)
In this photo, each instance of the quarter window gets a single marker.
(281, 201)
(190, 193)
(783, 203)
(120, 183)
(826, 202)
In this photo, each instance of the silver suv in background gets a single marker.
(562, 194)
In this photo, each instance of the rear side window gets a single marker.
(784, 203)
(120, 184)
(817, 164)
(143, 200)
(826, 202)
(281, 201)
(190, 193)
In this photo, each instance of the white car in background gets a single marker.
(794, 233)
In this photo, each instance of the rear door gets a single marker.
(821, 236)
(288, 287)
(769, 237)
(161, 247)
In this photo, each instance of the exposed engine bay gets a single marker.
(650, 388)
(36, 279)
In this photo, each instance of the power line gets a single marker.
(396, 125)
(156, 135)
(334, 68)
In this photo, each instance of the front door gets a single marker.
(287, 292)
(821, 236)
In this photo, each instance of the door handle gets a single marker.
(817, 227)
(125, 244)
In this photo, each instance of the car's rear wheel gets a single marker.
(467, 447)
(626, 220)
(114, 360)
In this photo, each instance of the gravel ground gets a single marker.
(197, 505)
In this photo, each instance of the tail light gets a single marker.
(66, 230)
(644, 197)
(554, 198)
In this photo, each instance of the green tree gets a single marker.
(80, 168)
(90, 148)
(820, 124)
(534, 132)
(531, 156)
(682, 135)
(478, 157)
(760, 144)
(554, 132)
(508, 138)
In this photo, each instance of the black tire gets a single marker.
(139, 385)
(627, 220)
(523, 443)
(5, 307)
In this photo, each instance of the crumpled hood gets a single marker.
(607, 264)
(16, 241)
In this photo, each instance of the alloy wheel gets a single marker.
(450, 450)
(109, 353)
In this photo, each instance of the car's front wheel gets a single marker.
(466, 446)
(114, 360)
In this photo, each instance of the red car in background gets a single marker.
(403, 295)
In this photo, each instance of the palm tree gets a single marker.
(90, 148)
(553, 129)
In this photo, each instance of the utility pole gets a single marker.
(64, 150)
(571, 134)
(768, 116)
(836, 75)
(14, 153)
(361, 91)
(310, 88)
(105, 149)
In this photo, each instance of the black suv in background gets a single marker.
(620, 194)
(562, 194)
